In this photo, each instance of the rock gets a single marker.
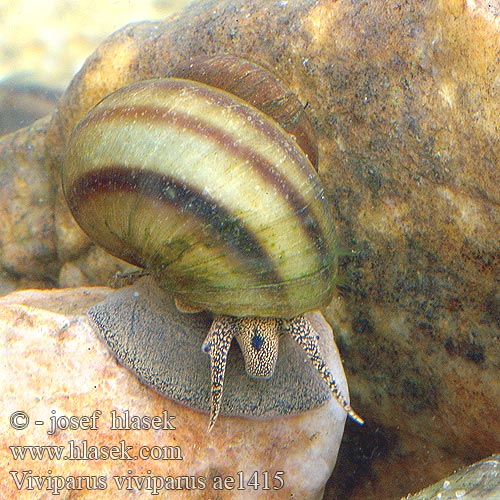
(23, 101)
(55, 367)
(50, 42)
(478, 481)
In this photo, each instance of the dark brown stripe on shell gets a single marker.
(168, 191)
(249, 114)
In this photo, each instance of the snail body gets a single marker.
(214, 199)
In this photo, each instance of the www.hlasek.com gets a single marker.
(84, 451)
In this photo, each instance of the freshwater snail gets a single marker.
(215, 200)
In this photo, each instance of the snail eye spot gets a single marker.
(257, 341)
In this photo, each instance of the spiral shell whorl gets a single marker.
(206, 192)
(258, 87)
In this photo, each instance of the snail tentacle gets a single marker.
(217, 345)
(304, 334)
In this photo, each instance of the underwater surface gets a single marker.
(403, 98)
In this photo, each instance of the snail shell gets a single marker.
(219, 204)
(207, 193)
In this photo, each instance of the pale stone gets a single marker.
(49, 39)
(52, 361)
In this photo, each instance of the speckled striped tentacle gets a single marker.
(304, 334)
(208, 193)
(217, 345)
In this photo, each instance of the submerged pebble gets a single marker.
(23, 101)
